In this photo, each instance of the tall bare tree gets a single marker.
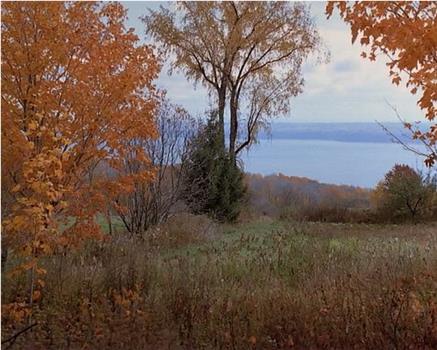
(235, 48)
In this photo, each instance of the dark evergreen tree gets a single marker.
(213, 181)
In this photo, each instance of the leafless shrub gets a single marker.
(152, 203)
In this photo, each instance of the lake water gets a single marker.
(349, 163)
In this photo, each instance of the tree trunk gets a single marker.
(221, 114)
(109, 220)
(233, 125)
(4, 256)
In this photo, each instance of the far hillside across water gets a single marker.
(357, 154)
(344, 132)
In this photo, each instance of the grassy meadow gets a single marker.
(266, 284)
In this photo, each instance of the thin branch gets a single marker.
(428, 146)
(14, 337)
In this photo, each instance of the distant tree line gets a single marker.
(404, 195)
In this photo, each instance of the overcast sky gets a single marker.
(347, 89)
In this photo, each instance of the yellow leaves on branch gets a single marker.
(406, 32)
(77, 88)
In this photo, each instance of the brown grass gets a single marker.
(262, 285)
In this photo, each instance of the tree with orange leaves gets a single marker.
(77, 88)
(405, 32)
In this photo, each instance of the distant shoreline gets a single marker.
(341, 132)
(340, 140)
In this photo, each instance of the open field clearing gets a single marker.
(267, 285)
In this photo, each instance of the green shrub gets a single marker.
(405, 194)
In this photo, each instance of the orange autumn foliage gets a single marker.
(406, 33)
(77, 88)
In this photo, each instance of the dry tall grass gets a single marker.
(264, 285)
